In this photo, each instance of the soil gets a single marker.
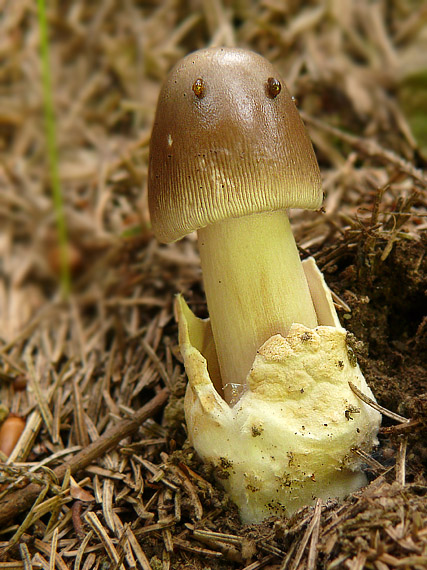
(388, 307)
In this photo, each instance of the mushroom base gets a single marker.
(290, 438)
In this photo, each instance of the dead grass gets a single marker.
(100, 477)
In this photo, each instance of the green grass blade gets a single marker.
(52, 150)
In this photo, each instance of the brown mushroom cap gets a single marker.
(227, 141)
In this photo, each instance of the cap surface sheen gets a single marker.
(226, 142)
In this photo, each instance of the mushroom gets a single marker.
(268, 402)
(229, 155)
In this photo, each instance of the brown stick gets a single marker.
(21, 500)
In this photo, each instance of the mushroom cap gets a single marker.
(227, 141)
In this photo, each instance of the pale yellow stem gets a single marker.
(255, 287)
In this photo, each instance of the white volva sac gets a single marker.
(291, 435)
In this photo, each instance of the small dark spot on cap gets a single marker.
(273, 87)
(199, 88)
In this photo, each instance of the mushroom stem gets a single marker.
(255, 288)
